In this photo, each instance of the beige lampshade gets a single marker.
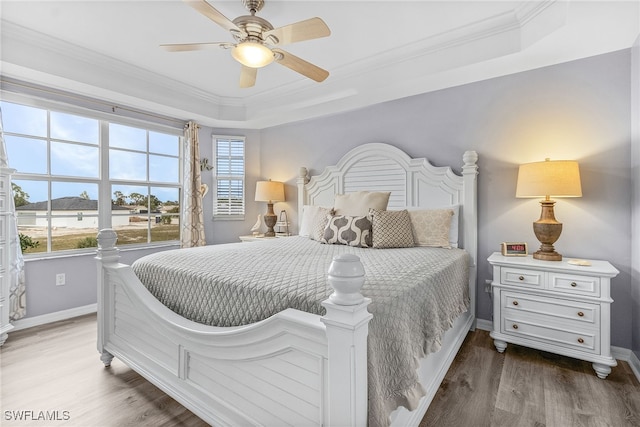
(551, 178)
(269, 191)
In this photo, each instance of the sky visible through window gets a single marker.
(75, 152)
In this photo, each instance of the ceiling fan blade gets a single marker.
(248, 76)
(300, 65)
(212, 13)
(309, 29)
(186, 47)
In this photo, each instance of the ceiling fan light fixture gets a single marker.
(252, 54)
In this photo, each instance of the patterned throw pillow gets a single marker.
(391, 229)
(319, 222)
(431, 227)
(309, 213)
(348, 230)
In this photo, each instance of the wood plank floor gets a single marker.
(56, 368)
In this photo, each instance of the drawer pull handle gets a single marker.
(515, 326)
(574, 284)
(521, 278)
(515, 303)
(580, 340)
(581, 314)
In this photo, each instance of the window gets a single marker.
(66, 190)
(229, 177)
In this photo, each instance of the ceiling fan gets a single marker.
(257, 41)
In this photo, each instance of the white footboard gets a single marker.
(294, 368)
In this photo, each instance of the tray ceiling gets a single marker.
(377, 51)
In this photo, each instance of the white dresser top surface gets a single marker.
(597, 267)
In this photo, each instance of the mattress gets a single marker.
(416, 295)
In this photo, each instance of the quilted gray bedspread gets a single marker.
(416, 295)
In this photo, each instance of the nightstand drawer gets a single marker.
(582, 285)
(522, 277)
(552, 309)
(587, 340)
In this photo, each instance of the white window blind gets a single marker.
(229, 177)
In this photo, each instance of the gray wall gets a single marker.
(44, 297)
(578, 110)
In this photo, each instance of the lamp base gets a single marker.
(547, 256)
(270, 219)
(547, 230)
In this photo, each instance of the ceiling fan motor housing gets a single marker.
(254, 27)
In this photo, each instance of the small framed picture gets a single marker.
(514, 249)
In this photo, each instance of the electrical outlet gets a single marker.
(487, 286)
(60, 279)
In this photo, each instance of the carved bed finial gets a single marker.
(346, 277)
(107, 238)
(107, 251)
(304, 174)
(470, 158)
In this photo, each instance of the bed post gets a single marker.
(303, 179)
(347, 327)
(470, 213)
(107, 254)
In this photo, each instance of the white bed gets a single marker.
(255, 374)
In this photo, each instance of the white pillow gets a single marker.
(455, 222)
(314, 219)
(306, 220)
(358, 203)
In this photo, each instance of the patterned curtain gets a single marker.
(17, 291)
(192, 218)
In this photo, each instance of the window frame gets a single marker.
(216, 177)
(103, 180)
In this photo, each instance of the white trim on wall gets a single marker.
(634, 363)
(30, 322)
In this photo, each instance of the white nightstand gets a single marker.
(554, 306)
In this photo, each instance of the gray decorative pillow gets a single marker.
(391, 229)
(348, 230)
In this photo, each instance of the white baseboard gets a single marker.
(30, 322)
(485, 325)
(635, 365)
(628, 356)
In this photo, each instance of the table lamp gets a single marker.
(270, 192)
(551, 178)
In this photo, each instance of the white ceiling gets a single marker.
(377, 51)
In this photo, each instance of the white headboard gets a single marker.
(412, 183)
